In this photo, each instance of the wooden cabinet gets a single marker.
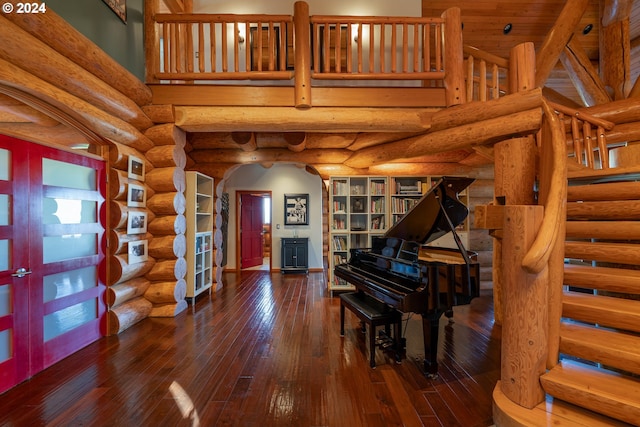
(294, 255)
(199, 234)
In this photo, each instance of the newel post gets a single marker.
(302, 53)
(514, 164)
(524, 331)
(454, 81)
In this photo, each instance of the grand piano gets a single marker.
(402, 271)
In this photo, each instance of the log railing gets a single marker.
(223, 47)
(202, 47)
(487, 75)
(586, 137)
(349, 47)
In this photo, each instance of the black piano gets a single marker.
(402, 271)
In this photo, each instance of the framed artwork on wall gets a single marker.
(138, 251)
(137, 222)
(119, 7)
(136, 196)
(136, 168)
(296, 209)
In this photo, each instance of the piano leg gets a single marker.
(430, 328)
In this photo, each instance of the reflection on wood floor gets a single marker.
(264, 351)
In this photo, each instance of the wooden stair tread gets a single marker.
(625, 190)
(615, 230)
(605, 278)
(604, 175)
(607, 210)
(603, 251)
(603, 391)
(552, 412)
(606, 311)
(611, 348)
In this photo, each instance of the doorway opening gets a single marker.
(254, 217)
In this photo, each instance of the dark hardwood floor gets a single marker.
(264, 351)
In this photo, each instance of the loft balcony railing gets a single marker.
(303, 51)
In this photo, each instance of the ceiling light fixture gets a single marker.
(507, 28)
(587, 29)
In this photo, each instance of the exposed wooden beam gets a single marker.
(14, 111)
(270, 155)
(548, 54)
(60, 135)
(284, 119)
(615, 51)
(245, 140)
(584, 77)
(460, 137)
(296, 141)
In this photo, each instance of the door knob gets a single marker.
(21, 272)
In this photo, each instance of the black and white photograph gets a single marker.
(136, 168)
(137, 222)
(138, 251)
(136, 196)
(296, 209)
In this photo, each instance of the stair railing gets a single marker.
(586, 138)
(553, 171)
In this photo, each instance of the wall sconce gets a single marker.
(240, 37)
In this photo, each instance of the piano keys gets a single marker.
(401, 270)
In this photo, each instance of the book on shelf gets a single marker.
(339, 243)
(377, 188)
(377, 223)
(340, 188)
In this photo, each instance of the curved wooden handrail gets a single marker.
(538, 255)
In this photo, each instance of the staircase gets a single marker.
(599, 368)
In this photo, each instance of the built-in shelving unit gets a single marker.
(359, 210)
(199, 234)
(365, 206)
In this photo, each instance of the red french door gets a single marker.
(51, 296)
(251, 223)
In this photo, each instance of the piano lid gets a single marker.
(425, 222)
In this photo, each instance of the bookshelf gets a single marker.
(359, 210)
(199, 234)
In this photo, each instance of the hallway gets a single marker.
(263, 351)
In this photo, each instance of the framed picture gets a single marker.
(296, 209)
(119, 7)
(136, 168)
(136, 196)
(137, 222)
(138, 251)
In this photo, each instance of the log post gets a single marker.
(454, 82)
(302, 49)
(524, 331)
(514, 164)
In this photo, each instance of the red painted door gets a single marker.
(251, 222)
(51, 231)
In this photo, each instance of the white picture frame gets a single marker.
(135, 168)
(136, 195)
(138, 251)
(137, 222)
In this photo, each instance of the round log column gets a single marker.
(514, 164)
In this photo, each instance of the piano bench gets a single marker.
(373, 313)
